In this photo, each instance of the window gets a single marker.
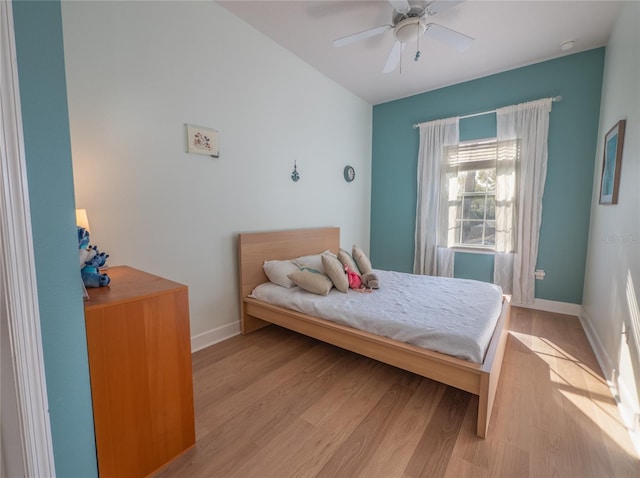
(471, 175)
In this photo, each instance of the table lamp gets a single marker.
(82, 220)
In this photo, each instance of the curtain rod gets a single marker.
(555, 99)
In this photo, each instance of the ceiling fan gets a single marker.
(409, 22)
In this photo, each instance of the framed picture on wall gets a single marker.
(201, 140)
(611, 162)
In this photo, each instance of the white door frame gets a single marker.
(17, 268)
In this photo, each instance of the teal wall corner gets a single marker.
(573, 135)
(43, 96)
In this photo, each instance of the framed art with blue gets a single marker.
(611, 164)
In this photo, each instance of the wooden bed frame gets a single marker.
(255, 248)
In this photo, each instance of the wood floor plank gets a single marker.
(432, 455)
(280, 448)
(342, 392)
(211, 414)
(458, 467)
(497, 455)
(492, 458)
(238, 370)
(263, 415)
(357, 449)
(275, 404)
(336, 426)
(402, 438)
(513, 410)
(582, 433)
(307, 452)
(231, 440)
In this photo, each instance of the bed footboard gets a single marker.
(491, 368)
(479, 379)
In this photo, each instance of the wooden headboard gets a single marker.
(255, 248)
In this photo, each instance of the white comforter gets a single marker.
(453, 316)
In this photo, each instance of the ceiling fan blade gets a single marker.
(361, 35)
(394, 57)
(439, 6)
(401, 6)
(449, 37)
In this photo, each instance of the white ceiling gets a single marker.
(508, 34)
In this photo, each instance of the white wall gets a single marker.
(612, 285)
(136, 73)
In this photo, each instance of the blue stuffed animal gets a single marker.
(83, 238)
(91, 259)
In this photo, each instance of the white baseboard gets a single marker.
(213, 336)
(598, 349)
(565, 308)
(630, 416)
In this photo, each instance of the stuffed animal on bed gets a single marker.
(354, 279)
(370, 280)
(91, 259)
(358, 283)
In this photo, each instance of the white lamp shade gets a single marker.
(82, 220)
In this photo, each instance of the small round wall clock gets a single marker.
(349, 173)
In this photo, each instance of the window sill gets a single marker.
(474, 250)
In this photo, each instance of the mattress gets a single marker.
(452, 316)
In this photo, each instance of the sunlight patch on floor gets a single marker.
(583, 387)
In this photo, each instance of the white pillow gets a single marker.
(277, 272)
(313, 261)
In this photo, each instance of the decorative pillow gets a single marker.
(277, 272)
(313, 261)
(346, 260)
(335, 271)
(313, 282)
(364, 264)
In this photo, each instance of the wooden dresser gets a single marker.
(139, 348)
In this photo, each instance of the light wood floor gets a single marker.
(276, 404)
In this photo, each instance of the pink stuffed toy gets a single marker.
(355, 282)
(354, 279)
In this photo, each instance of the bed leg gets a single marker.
(250, 324)
(489, 386)
(484, 407)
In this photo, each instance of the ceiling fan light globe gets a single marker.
(409, 29)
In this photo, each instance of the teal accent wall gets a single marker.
(43, 96)
(473, 266)
(478, 127)
(566, 204)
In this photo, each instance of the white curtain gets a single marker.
(430, 233)
(522, 132)
(445, 261)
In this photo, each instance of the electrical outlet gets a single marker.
(539, 274)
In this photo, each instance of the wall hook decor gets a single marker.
(294, 175)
